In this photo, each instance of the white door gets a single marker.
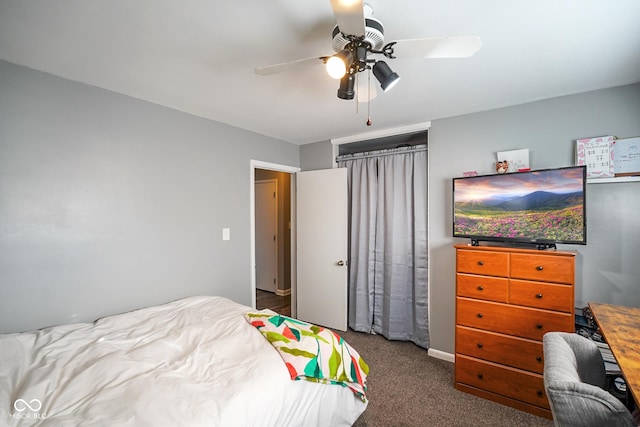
(322, 247)
(266, 234)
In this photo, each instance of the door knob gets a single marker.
(341, 263)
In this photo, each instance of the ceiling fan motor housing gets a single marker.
(374, 35)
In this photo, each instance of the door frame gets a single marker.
(258, 164)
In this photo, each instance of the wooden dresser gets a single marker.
(506, 300)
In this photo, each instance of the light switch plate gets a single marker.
(226, 234)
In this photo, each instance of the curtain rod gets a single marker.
(381, 153)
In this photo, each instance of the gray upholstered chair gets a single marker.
(574, 377)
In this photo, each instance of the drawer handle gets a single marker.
(480, 376)
(539, 358)
(480, 262)
(481, 288)
(479, 345)
(539, 393)
(539, 326)
(480, 315)
(539, 268)
(538, 296)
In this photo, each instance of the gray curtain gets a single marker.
(388, 243)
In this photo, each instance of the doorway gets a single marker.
(280, 295)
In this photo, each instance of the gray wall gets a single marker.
(318, 155)
(108, 203)
(608, 269)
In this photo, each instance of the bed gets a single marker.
(198, 361)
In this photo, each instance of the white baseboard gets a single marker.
(442, 355)
(283, 292)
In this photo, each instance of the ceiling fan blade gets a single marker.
(438, 47)
(349, 16)
(269, 70)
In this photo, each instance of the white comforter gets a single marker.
(192, 362)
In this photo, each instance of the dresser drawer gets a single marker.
(541, 295)
(504, 349)
(514, 383)
(546, 268)
(481, 287)
(523, 322)
(486, 263)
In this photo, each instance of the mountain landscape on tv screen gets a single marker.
(537, 200)
(540, 215)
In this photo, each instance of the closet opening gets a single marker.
(388, 253)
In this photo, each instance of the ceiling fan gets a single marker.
(358, 37)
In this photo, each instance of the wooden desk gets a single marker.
(620, 327)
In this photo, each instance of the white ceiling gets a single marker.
(198, 56)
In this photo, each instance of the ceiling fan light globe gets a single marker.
(338, 64)
(336, 67)
(385, 75)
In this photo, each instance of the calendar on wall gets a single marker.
(597, 154)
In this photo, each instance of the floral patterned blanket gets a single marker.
(311, 352)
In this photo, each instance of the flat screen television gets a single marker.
(540, 208)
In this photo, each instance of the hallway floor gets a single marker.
(281, 305)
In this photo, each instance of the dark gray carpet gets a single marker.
(407, 388)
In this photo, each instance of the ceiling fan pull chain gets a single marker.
(357, 93)
(369, 98)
